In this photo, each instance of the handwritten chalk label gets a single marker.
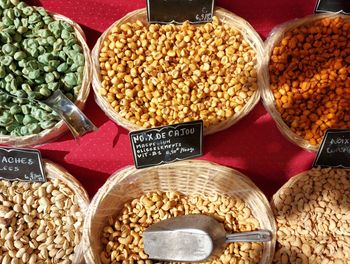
(334, 150)
(21, 165)
(178, 11)
(167, 144)
(324, 6)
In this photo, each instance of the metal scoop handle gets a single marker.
(253, 236)
(75, 119)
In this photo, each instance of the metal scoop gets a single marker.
(75, 119)
(193, 238)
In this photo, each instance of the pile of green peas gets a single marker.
(38, 55)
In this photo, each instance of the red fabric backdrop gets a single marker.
(254, 145)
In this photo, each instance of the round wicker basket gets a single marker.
(187, 177)
(54, 171)
(267, 96)
(249, 34)
(60, 128)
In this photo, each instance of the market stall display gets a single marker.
(151, 75)
(40, 53)
(133, 199)
(306, 69)
(42, 222)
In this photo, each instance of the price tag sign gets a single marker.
(21, 165)
(167, 144)
(178, 11)
(324, 6)
(334, 150)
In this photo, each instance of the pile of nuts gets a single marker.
(122, 237)
(313, 218)
(156, 75)
(39, 223)
(38, 55)
(310, 77)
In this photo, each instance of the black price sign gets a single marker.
(342, 6)
(178, 11)
(166, 144)
(334, 150)
(21, 165)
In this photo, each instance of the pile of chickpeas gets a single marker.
(310, 77)
(156, 75)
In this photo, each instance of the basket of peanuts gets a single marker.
(48, 52)
(312, 214)
(148, 75)
(42, 222)
(133, 199)
(307, 77)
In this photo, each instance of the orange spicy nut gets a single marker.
(309, 77)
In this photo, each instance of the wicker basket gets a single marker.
(249, 34)
(60, 128)
(54, 171)
(187, 177)
(267, 96)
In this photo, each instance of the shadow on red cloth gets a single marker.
(250, 152)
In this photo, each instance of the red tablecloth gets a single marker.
(254, 145)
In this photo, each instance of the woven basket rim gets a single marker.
(257, 46)
(59, 128)
(266, 94)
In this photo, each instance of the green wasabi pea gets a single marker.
(6, 60)
(25, 109)
(28, 11)
(33, 128)
(21, 94)
(70, 79)
(23, 131)
(38, 55)
(6, 119)
(54, 63)
(12, 126)
(34, 74)
(47, 124)
(15, 109)
(45, 91)
(62, 67)
(51, 40)
(58, 44)
(49, 77)
(15, 2)
(34, 18)
(28, 119)
(20, 56)
(19, 118)
(9, 49)
(57, 75)
(53, 86)
(13, 66)
(2, 71)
